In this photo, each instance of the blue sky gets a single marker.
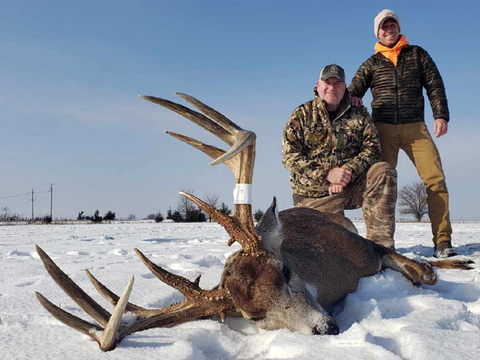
(71, 73)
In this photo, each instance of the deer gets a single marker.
(290, 271)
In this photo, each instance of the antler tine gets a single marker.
(210, 150)
(106, 338)
(239, 158)
(191, 290)
(221, 126)
(90, 306)
(186, 311)
(199, 303)
(195, 117)
(67, 318)
(243, 140)
(219, 118)
(249, 240)
(113, 298)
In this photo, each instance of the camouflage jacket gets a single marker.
(312, 145)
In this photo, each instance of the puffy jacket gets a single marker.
(312, 145)
(397, 91)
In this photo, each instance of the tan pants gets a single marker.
(417, 143)
(375, 191)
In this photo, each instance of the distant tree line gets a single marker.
(186, 211)
(96, 218)
(7, 216)
(411, 201)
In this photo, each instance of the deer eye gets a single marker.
(286, 273)
(256, 318)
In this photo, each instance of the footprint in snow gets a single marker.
(28, 283)
(15, 254)
(77, 253)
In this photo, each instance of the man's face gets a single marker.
(388, 32)
(331, 90)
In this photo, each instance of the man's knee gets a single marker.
(380, 169)
(436, 183)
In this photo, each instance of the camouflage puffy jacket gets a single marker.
(312, 145)
(398, 90)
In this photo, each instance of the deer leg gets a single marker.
(417, 272)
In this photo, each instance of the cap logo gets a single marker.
(332, 70)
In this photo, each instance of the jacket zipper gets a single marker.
(340, 138)
(396, 94)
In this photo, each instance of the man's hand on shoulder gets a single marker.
(440, 127)
(355, 101)
(339, 176)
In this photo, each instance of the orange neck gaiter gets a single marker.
(392, 53)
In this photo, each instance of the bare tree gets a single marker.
(5, 213)
(212, 200)
(413, 200)
(185, 206)
(188, 211)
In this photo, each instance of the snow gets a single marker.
(385, 318)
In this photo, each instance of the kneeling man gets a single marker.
(332, 151)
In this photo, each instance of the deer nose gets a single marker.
(332, 329)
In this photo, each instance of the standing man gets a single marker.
(396, 75)
(332, 150)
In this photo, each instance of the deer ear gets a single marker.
(270, 229)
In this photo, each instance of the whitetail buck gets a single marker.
(266, 281)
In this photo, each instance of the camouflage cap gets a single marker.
(332, 70)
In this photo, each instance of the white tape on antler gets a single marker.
(242, 194)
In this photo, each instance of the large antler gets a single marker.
(240, 158)
(198, 303)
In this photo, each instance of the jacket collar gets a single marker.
(393, 52)
(344, 104)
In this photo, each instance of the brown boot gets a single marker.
(443, 250)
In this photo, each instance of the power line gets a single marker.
(12, 196)
(33, 198)
(24, 194)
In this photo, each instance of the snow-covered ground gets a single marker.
(385, 318)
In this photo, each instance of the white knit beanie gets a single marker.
(381, 17)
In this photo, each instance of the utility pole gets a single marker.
(33, 216)
(51, 201)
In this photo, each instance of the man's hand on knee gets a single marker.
(335, 189)
(339, 176)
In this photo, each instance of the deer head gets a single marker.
(267, 292)
(255, 283)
